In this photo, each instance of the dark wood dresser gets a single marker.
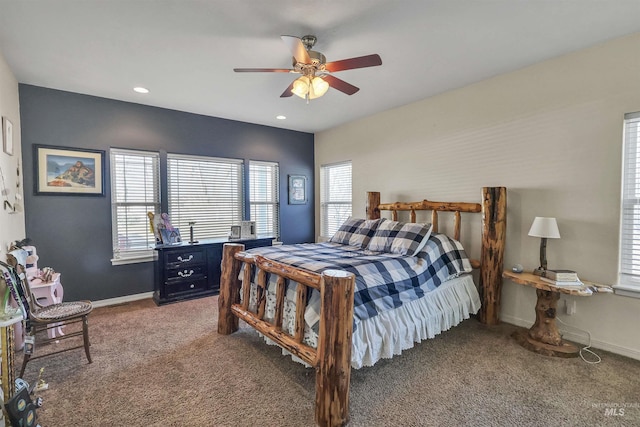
(186, 271)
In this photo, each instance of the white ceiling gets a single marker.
(184, 51)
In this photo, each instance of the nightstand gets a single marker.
(543, 337)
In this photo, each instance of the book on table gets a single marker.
(563, 283)
(562, 275)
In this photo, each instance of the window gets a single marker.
(335, 197)
(207, 190)
(135, 190)
(264, 197)
(629, 280)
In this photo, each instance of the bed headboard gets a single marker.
(494, 222)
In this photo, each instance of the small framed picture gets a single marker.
(170, 237)
(236, 232)
(297, 189)
(7, 136)
(69, 171)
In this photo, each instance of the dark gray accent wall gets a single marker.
(73, 233)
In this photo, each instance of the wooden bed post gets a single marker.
(373, 200)
(229, 288)
(333, 370)
(494, 224)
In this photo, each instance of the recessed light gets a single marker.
(281, 117)
(140, 89)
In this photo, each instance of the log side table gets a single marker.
(543, 337)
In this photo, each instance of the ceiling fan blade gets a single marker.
(351, 63)
(287, 92)
(340, 85)
(297, 49)
(262, 70)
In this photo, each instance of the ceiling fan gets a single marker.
(316, 71)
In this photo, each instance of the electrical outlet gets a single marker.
(570, 307)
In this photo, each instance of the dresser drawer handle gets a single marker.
(192, 286)
(185, 259)
(185, 273)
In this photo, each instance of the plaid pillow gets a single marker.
(356, 232)
(403, 238)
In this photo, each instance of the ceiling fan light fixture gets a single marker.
(309, 88)
(320, 87)
(301, 87)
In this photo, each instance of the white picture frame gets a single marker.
(7, 136)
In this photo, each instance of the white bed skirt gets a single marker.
(393, 331)
(389, 333)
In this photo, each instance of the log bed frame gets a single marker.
(332, 357)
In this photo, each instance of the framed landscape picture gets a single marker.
(68, 171)
(297, 189)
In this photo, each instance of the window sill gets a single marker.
(133, 260)
(627, 290)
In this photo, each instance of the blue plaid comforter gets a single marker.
(383, 280)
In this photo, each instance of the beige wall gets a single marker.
(552, 134)
(12, 226)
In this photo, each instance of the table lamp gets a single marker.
(546, 228)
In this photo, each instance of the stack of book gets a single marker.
(562, 278)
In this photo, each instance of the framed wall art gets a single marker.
(68, 171)
(7, 136)
(297, 189)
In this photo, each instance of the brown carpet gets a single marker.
(167, 366)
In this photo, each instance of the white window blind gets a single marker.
(135, 190)
(207, 191)
(630, 221)
(335, 197)
(264, 197)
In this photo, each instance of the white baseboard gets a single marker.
(580, 338)
(121, 300)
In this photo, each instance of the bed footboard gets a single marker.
(332, 357)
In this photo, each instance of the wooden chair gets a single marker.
(43, 318)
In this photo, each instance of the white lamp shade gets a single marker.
(544, 227)
(312, 88)
(320, 87)
(301, 86)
